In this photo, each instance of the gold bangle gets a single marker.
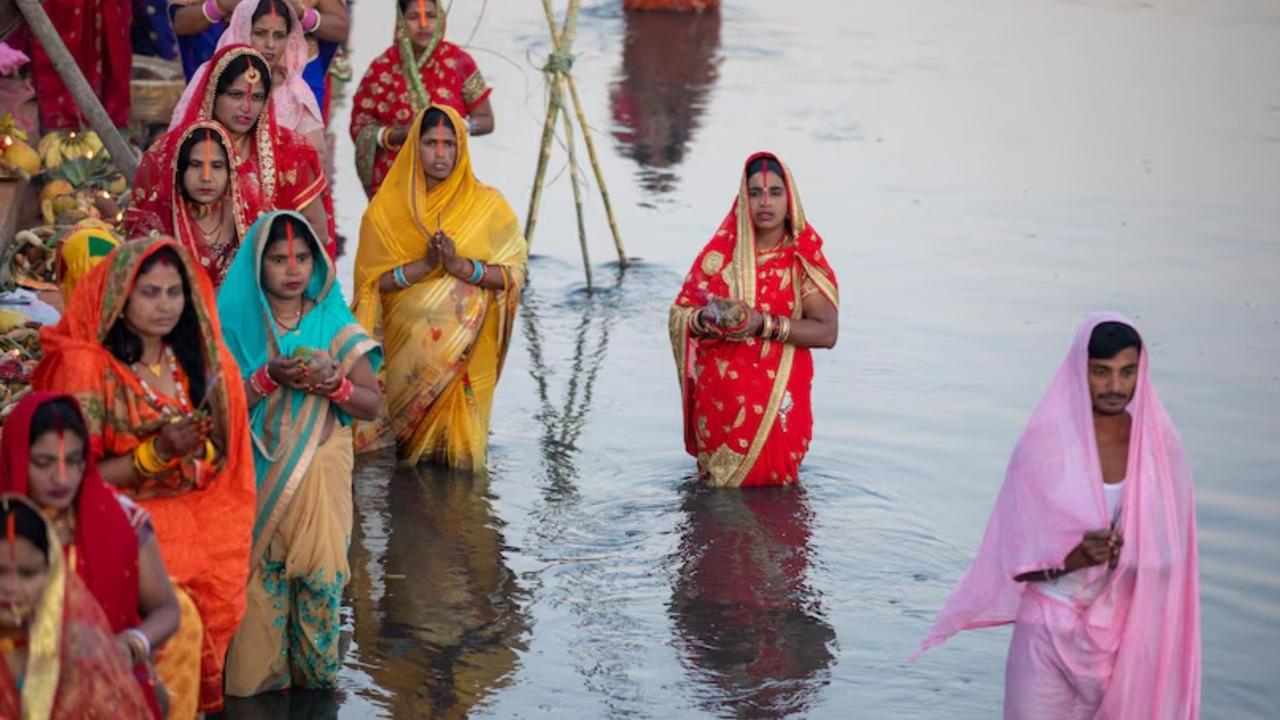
(784, 329)
(766, 327)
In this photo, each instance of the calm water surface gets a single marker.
(984, 174)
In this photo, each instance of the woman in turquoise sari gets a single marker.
(309, 369)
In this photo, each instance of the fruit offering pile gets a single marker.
(19, 353)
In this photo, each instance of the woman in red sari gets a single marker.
(421, 68)
(276, 168)
(196, 197)
(59, 659)
(759, 296)
(106, 538)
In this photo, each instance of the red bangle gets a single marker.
(262, 381)
(343, 392)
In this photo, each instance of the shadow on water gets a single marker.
(438, 617)
(670, 61)
(751, 629)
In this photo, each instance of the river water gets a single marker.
(984, 174)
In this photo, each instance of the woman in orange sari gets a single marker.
(140, 348)
(758, 297)
(60, 659)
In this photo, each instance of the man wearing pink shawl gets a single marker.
(1091, 548)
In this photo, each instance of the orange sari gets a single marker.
(747, 413)
(202, 511)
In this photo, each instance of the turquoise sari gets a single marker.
(286, 426)
(303, 520)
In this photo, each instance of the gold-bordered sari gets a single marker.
(445, 339)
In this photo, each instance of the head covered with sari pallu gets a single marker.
(396, 229)
(293, 102)
(74, 668)
(287, 425)
(207, 559)
(106, 543)
(730, 408)
(104, 547)
(402, 82)
(1144, 625)
(160, 204)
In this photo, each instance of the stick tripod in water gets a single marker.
(560, 82)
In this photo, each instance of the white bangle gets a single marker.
(142, 637)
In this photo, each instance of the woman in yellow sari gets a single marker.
(438, 277)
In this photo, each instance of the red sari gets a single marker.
(747, 413)
(97, 34)
(276, 168)
(385, 99)
(160, 206)
(74, 668)
(105, 545)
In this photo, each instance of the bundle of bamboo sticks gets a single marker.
(561, 84)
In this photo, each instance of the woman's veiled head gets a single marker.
(437, 146)
(24, 561)
(160, 306)
(203, 167)
(272, 23)
(420, 18)
(57, 441)
(767, 193)
(242, 92)
(289, 258)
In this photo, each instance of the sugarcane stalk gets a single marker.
(595, 166)
(577, 194)
(65, 65)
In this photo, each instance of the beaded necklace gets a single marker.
(180, 393)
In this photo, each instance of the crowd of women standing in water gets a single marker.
(178, 493)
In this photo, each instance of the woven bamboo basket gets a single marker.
(156, 87)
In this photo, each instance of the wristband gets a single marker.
(211, 12)
(343, 392)
(311, 20)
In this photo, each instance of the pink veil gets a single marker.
(295, 105)
(1147, 616)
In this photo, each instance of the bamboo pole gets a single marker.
(544, 156)
(88, 102)
(595, 166)
(563, 90)
(577, 194)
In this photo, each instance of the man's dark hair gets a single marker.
(1110, 337)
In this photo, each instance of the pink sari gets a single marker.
(1134, 651)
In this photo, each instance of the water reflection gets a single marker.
(752, 631)
(438, 615)
(562, 422)
(669, 63)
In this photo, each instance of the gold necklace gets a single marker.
(155, 367)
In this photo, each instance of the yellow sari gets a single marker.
(444, 339)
